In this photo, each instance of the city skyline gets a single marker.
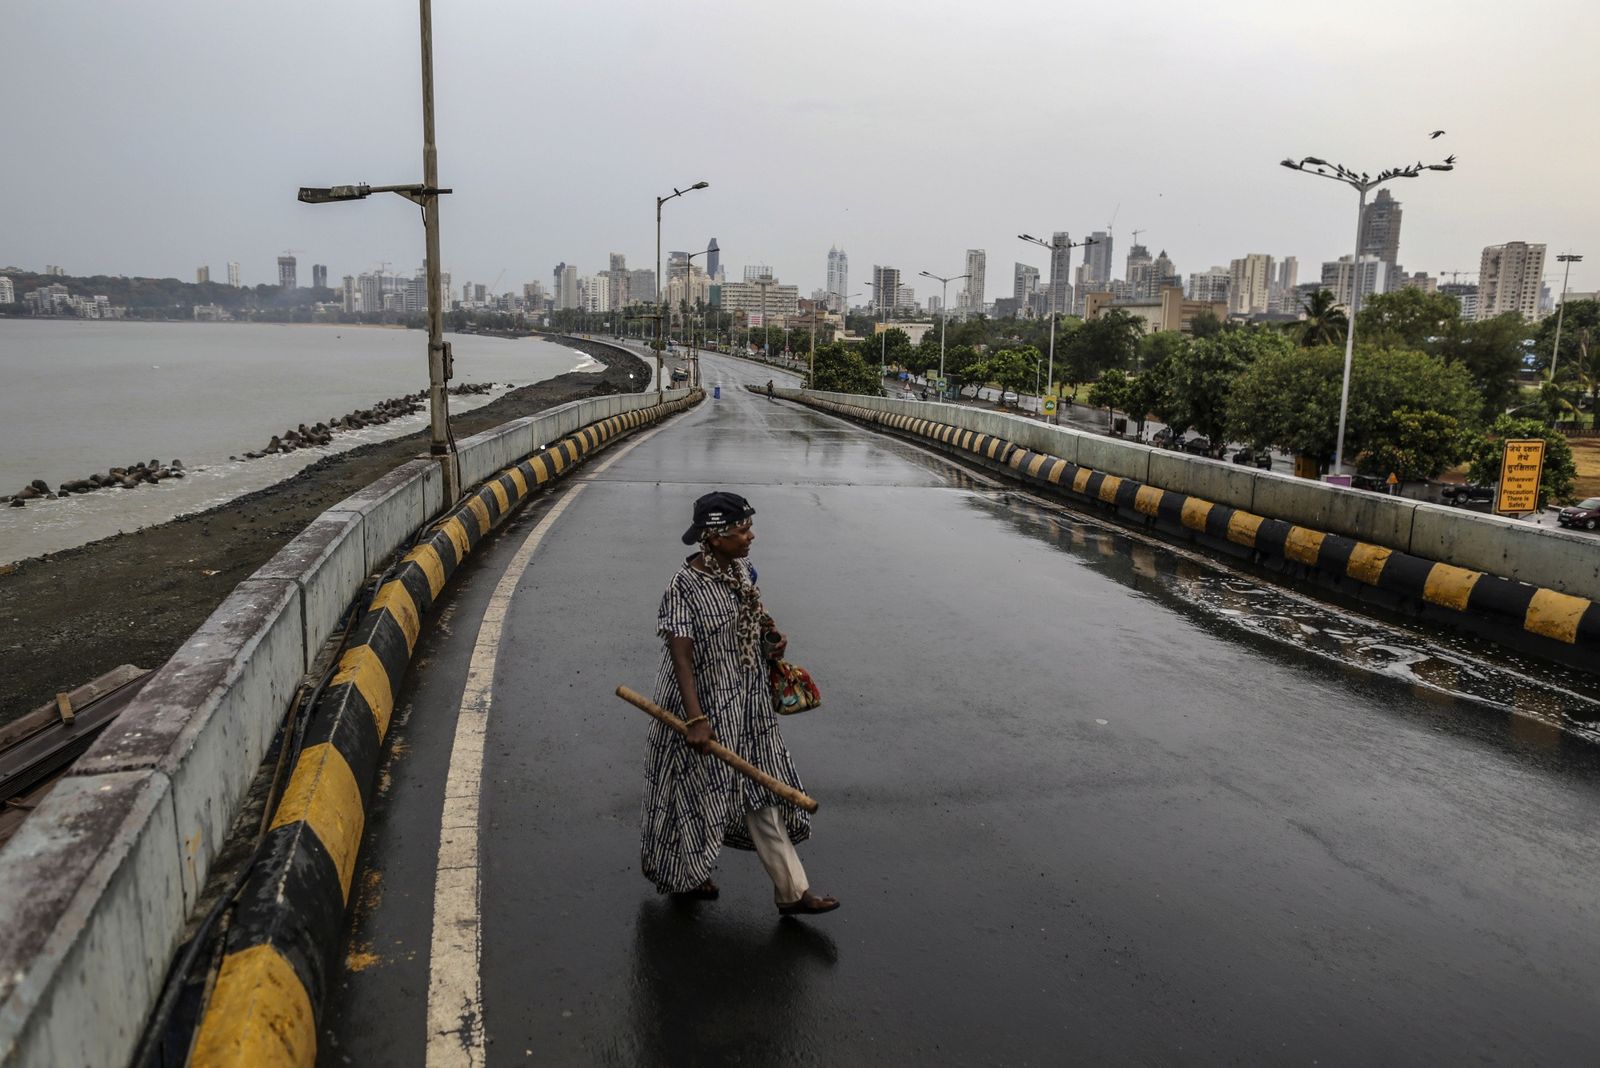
(200, 190)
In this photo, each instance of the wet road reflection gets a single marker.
(1454, 665)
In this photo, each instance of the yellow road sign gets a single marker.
(1520, 469)
(1049, 406)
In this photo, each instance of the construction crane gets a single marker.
(1455, 276)
(1136, 234)
(290, 251)
(495, 285)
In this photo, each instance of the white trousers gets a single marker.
(777, 855)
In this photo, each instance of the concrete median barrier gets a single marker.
(1435, 560)
(99, 881)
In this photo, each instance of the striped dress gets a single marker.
(693, 804)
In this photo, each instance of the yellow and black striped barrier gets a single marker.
(1534, 610)
(263, 1008)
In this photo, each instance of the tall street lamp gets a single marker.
(688, 277)
(1068, 246)
(1363, 184)
(660, 286)
(883, 347)
(426, 196)
(1569, 259)
(944, 309)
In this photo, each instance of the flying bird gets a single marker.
(1436, 135)
(1450, 159)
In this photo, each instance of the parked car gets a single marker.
(1164, 438)
(1252, 457)
(1585, 514)
(1008, 397)
(1469, 493)
(679, 374)
(1198, 445)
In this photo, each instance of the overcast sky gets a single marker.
(149, 138)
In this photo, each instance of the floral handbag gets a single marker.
(792, 687)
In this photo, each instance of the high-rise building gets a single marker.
(1137, 273)
(594, 293)
(1024, 284)
(1249, 284)
(1097, 260)
(713, 260)
(1288, 272)
(935, 305)
(617, 276)
(642, 286)
(1163, 275)
(1210, 286)
(348, 293)
(565, 288)
(838, 279)
(885, 288)
(906, 300)
(1509, 277)
(202, 275)
(1344, 276)
(371, 286)
(286, 272)
(8, 291)
(233, 274)
(972, 293)
(1380, 228)
(1060, 272)
(319, 275)
(1466, 295)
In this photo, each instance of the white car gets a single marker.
(1008, 397)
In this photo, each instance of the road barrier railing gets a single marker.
(1455, 565)
(98, 883)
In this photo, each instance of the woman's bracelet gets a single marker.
(697, 719)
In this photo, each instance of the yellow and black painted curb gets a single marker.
(1535, 610)
(275, 967)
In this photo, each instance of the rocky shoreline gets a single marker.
(135, 597)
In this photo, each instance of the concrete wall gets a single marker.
(1557, 559)
(98, 883)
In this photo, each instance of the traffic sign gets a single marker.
(1520, 470)
(1049, 406)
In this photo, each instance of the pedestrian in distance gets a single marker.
(769, 389)
(713, 676)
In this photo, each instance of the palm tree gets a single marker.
(1325, 322)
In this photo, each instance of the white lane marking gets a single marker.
(455, 983)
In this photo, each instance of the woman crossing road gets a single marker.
(714, 676)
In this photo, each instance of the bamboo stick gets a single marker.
(721, 752)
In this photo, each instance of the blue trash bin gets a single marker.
(716, 392)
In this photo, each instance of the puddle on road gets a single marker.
(1455, 664)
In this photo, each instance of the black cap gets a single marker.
(717, 509)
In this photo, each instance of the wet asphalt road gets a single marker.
(1073, 809)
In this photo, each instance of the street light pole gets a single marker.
(688, 278)
(944, 310)
(426, 196)
(1561, 310)
(1363, 184)
(1050, 375)
(661, 305)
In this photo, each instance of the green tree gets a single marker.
(893, 347)
(1110, 392)
(1290, 398)
(840, 369)
(1490, 350)
(1205, 324)
(1325, 322)
(1577, 317)
(1200, 379)
(1556, 481)
(1111, 340)
(1408, 318)
(1013, 369)
(1414, 446)
(1157, 348)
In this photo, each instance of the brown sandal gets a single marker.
(809, 905)
(706, 891)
